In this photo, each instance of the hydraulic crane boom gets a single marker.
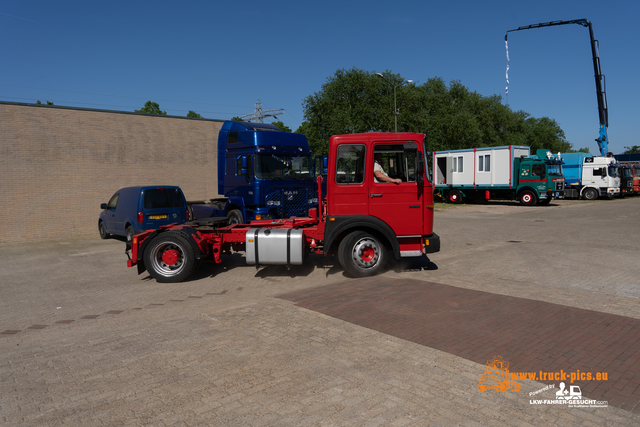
(602, 140)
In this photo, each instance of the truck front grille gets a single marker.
(288, 203)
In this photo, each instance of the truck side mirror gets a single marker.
(244, 170)
(420, 175)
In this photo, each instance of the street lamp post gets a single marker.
(395, 106)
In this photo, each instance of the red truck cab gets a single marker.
(398, 216)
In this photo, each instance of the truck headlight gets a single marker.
(273, 203)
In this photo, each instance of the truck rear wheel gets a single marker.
(528, 198)
(361, 254)
(454, 196)
(169, 257)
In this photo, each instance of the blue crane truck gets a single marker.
(263, 173)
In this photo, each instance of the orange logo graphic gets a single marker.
(496, 376)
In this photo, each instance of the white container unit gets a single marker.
(484, 167)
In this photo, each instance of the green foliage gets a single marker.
(194, 115)
(282, 126)
(236, 119)
(632, 150)
(151, 108)
(453, 117)
(40, 103)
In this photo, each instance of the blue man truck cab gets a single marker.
(263, 173)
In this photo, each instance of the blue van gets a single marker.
(133, 210)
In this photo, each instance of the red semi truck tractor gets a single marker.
(359, 219)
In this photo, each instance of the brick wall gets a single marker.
(58, 164)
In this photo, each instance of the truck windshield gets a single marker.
(613, 171)
(626, 173)
(272, 166)
(554, 170)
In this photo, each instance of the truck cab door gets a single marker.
(401, 206)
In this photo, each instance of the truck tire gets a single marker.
(235, 217)
(590, 194)
(102, 230)
(169, 257)
(454, 197)
(361, 254)
(528, 198)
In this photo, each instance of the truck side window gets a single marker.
(396, 162)
(537, 170)
(350, 164)
(597, 171)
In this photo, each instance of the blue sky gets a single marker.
(218, 58)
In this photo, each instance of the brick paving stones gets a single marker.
(533, 336)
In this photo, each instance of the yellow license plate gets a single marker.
(157, 217)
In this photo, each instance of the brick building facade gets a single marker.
(57, 164)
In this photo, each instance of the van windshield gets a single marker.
(162, 198)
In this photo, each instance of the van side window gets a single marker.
(350, 164)
(113, 202)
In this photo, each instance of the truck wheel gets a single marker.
(102, 230)
(528, 198)
(361, 254)
(169, 258)
(235, 217)
(590, 194)
(454, 196)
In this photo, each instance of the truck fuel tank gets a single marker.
(274, 246)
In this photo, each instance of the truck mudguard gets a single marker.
(336, 225)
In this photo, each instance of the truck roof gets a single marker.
(235, 125)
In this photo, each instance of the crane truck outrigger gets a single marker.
(359, 219)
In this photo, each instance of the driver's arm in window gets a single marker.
(379, 175)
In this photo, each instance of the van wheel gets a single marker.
(169, 257)
(590, 194)
(528, 198)
(235, 217)
(361, 254)
(454, 197)
(128, 232)
(102, 230)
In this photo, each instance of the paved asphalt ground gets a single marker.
(85, 341)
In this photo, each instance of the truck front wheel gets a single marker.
(169, 257)
(235, 217)
(528, 198)
(361, 254)
(590, 194)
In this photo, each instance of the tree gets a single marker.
(151, 108)
(282, 126)
(194, 115)
(40, 103)
(236, 119)
(452, 117)
(632, 150)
